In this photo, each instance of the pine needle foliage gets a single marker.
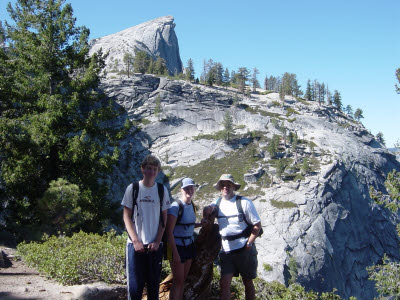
(55, 123)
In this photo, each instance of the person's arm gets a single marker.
(171, 239)
(130, 228)
(154, 245)
(253, 235)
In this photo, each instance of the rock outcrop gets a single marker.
(320, 217)
(156, 37)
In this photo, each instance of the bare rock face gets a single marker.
(322, 230)
(156, 37)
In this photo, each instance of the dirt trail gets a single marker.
(18, 281)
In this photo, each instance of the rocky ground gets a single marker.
(18, 281)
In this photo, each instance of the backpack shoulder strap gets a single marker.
(160, 188)
(135, 193)
(218, 201)
(180, 212)
(240, 208)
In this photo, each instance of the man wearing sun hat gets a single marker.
(239, 225)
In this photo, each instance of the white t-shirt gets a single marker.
(146, 215)
(232, 225)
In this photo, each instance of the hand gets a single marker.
(248, 246)
(153, 247)
(138, 245)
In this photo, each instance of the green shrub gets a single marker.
(267, 267)
(283, 204)
(276, 103)
(219, 135)
(266, 92)
(291, 111)
(303, 101)
(78, 259)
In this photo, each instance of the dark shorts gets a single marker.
(186, 252)
(241, 261)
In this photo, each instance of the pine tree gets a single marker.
(322, 92)
(160, 66)
(141, 62)
(228, 126)
(226, 78)
(242, 76)
(57, 125)
(219, 73)
(281, 93)
(398, 79)
(128, 61)
(157, 108)
(380, 138)
(189, 70)
(337, 99)
(266, 81)
(308, 94)
(254, 81)
(349, 110)
(2, 34)
(358, 114)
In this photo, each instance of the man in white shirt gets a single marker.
(145, 216)
(239, 226)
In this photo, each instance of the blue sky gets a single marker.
(353, 46)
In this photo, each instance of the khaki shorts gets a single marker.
(243, 262)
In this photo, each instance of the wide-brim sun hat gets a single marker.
(187, 182)
(226, 177)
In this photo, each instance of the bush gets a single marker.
(283, 204)
(79, 259)
(291, 111)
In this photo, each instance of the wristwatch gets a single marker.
(250, 244)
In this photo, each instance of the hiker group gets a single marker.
(148, 212)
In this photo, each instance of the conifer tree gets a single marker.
(160, 66)
(219, 73)
(128, 61)
(398, 79)
(358, 114)
(322, 93)
(337, 99)
(141, 62)
(189, 70)
(380, 138)
(228, 126)
(57, 123)
(266, 82)
(308, 94)
(281, 93)
(242, 76)
(349, 110)
(226, 78)
(254, 81)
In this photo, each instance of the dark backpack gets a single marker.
(242, 217)
(135, 193)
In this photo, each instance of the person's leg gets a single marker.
(188, 264)
(134, 269)
(249, 289)
(154, 273)
(178, 271)
(225, 285)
